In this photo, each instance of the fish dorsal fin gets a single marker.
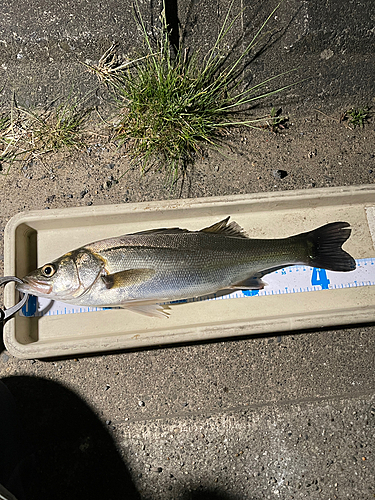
(222, 227)
(162, 230)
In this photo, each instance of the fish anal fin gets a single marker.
(127, 278)
(222, 227)
(253, 283)
(151, 310)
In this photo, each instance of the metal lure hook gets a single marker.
(6, 314)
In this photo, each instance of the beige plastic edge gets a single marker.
(355, 305)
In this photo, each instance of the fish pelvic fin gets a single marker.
(151, 310)
(232, 229)
(253, 283)
(324, 247)
(127, 277)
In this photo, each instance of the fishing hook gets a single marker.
(6, 314)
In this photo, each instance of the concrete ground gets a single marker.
(287, 417)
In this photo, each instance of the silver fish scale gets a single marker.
(186, 264)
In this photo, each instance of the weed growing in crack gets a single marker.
(172, 102)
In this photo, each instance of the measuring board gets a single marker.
(292, 279)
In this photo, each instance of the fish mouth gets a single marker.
(34, 286)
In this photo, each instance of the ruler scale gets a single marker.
(293, 279)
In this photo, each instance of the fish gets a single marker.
(145, 271)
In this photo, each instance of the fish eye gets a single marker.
(48, 270)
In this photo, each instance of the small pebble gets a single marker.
(4, 357)
(83, 193)
(107, 422)
(156, 469)
(107, 387)
(141, 403)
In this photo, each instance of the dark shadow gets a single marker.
(210, 494)
(65, 451)
(171, 16)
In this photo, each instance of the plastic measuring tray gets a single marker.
(34, 238)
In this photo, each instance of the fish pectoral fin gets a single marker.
(222, 227)
(127, 277)
(152, 310)
(253, 283)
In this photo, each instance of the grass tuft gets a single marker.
(356, 117)
(27, 134)
(171, 103)
(59, 128)
(275, 122)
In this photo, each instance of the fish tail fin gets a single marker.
(324, 247)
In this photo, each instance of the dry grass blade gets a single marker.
(110, 64)
(26, 134)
